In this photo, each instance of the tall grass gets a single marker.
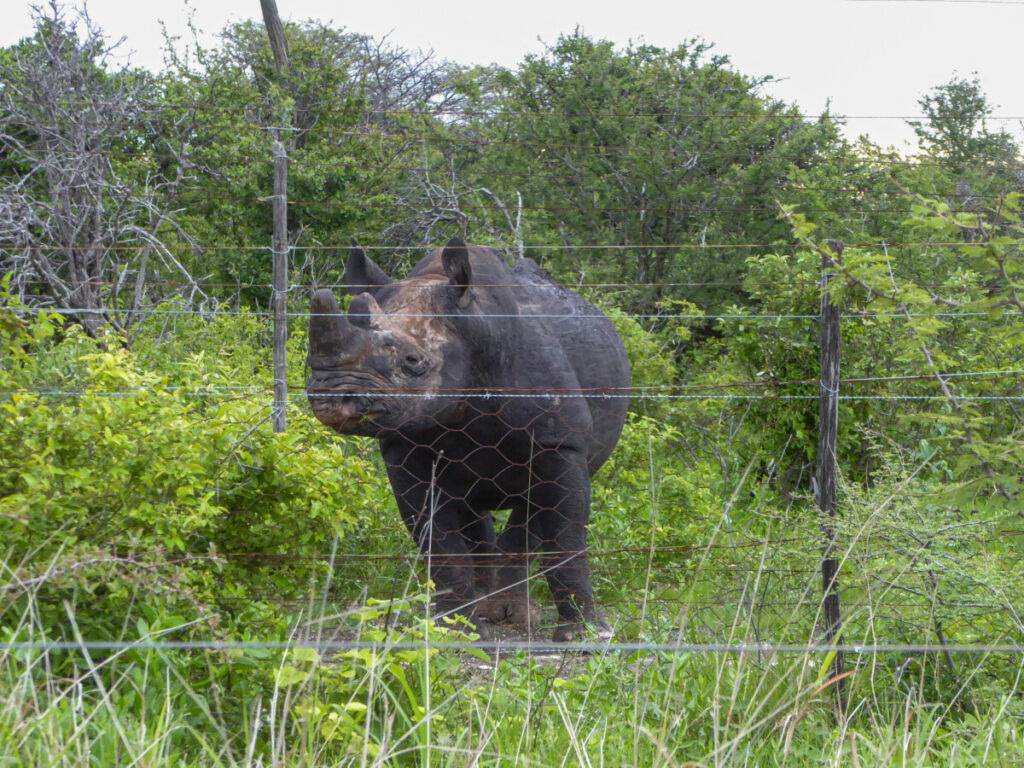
(145, 706)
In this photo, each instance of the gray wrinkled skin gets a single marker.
(479, 407)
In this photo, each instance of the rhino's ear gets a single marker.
(361, 274)
(455, 259)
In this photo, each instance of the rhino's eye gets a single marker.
(414, 364)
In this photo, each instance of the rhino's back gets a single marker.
(568, 344)
(590, 345)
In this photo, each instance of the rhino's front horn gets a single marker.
(332, 337)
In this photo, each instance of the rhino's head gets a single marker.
(398, 357)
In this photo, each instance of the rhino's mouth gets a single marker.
(346, 409)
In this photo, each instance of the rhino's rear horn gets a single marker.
(331, 336)
(455, 260)
(364, 311)
(361, 274)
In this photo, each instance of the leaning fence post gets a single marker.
(279, 296)
(825, 476)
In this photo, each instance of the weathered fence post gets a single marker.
(279, 297)
(828, 413)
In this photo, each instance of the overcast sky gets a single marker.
(868, 58)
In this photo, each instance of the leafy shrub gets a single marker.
(122, 494)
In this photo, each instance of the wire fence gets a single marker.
(746, 579)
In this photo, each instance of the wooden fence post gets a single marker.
(826, 470)
(279, 297)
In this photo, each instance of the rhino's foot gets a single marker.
(569, 631)
(510, 609)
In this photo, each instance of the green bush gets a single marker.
(129, 493)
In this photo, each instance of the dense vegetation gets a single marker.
(144, 497)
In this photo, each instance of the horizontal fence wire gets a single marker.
(810, 285)
(548, 173)
(462, 195)
(495, 395)
(467, 192)
(671, 148)
(275, 558)
(514, 646)
(838, 210)
(344, 108)
(467, 189)
(887, 316)
(481, 170)
(312, 287)
(736, 601)
(345, 247)
(812, 540)
(726, 595)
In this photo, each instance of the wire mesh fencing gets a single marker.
(472, 493)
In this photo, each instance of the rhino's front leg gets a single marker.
(510, 599)
(439, 526)
(478, 534)
(559, 514)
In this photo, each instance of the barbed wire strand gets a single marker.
(811, 540)
(201, 390)
(342, 646)
(534, 396)
(527, 316)
(344, 247)
(810, 282)
(673, 149)
(345, 107)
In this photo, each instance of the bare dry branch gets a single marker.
(77, 230)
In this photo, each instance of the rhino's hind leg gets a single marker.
(560, 513)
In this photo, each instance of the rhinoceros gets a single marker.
(490, 389)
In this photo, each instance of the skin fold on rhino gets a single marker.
(489, 389)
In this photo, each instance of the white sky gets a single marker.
(865, 57)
